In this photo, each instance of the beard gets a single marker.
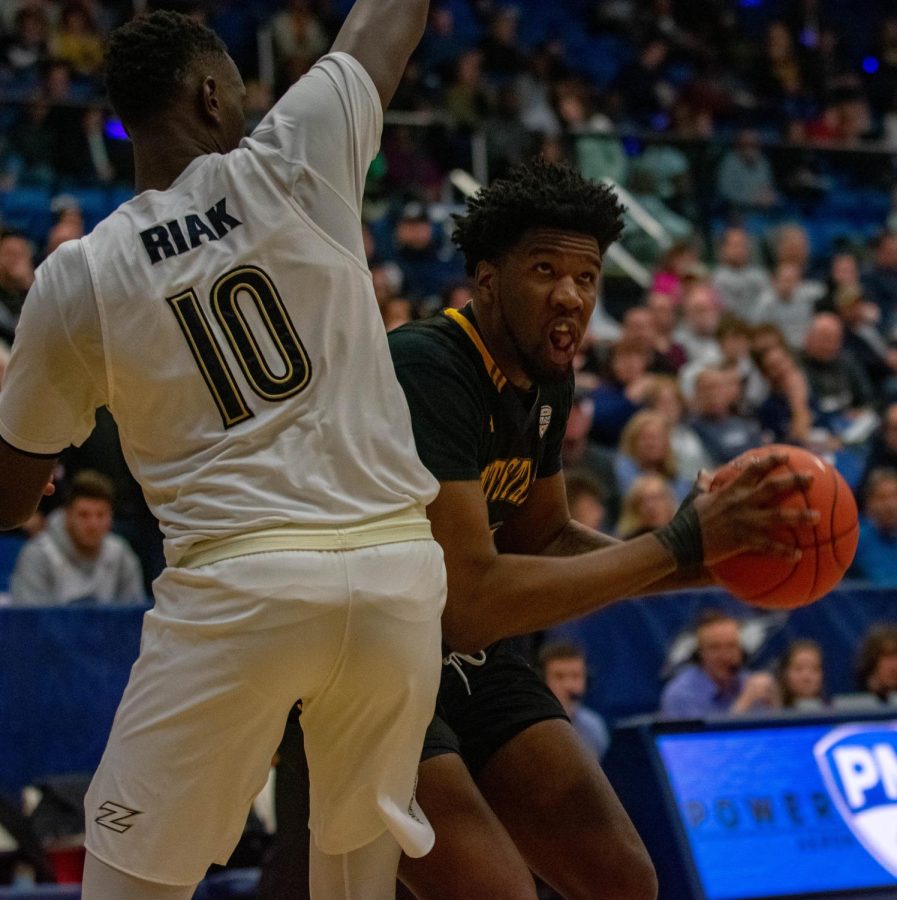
(534, 362)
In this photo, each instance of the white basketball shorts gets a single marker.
(226, 651)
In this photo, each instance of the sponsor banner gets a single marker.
(787, 811)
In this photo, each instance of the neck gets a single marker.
(163, 150)
(495, 335)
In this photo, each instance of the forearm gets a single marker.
(511, 594)
(381, 35)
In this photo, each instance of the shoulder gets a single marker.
(432, 342)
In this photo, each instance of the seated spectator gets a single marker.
(864, 342)
(738, 281)
(724, 434)
(744, 179)
(563, 668)
(844, 272)
(734, 337)
(790, 243)
(78, 40)
(679, 264)
(621, 393)
(785, 415)
(663, 308)
(789, 303)
(585, 499)
(880, 280)
(650, 503)
(579, 453)
(299, 39)
(645, 449)
(717, 681)
(688, 451)
(76, 559)
(696, 332)
(876, 556)
(800, 674)
(840, 394)
(883, 446)
(16, 277)
(877, 662)
(640, 327)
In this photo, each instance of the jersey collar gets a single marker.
(468, 327)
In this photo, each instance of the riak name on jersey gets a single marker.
(186, 233)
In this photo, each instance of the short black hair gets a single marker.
(535, 194)
(148, 59)
(91, 485)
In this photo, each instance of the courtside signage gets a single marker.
(787, 811)
(859, 767)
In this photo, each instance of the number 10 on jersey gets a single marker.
(206, 350)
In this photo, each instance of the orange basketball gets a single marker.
(828, 546)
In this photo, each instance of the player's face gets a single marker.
(88, 521)
(546, 291)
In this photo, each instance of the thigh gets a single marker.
(364, 727)
(473, 857)
(559, 808)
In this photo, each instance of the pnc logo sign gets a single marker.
(858, 764)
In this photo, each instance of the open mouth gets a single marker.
(562, 339)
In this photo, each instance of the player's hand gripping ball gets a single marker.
(827, 547)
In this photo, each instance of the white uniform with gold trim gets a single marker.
(230, 325)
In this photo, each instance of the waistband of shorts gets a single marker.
(409, 524)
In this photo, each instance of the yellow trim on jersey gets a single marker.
(495, 374)
(407, 525)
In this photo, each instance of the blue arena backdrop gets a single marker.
(780, 807)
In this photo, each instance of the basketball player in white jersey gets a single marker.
(226, 317)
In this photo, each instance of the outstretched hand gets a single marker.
(745, 514)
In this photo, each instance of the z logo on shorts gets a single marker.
(858, 764)
(115, 817)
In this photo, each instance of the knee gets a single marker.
(623, 873)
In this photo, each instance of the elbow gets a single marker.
(462, 632)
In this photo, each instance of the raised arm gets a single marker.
(381, 35)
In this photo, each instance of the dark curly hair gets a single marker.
(535, 194)
(148, 58)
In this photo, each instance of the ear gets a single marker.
(486, 281)
(209, 100)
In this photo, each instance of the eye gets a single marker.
(587, 278)
(543, 268)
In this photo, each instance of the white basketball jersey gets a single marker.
(230, 325)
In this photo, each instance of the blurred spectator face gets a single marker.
(889, 427)
(58, 82)
(459, 296)
(719, 650)
(396, 311)
(668, 401)
(469, 68)
(414, 233)
(886, 252)
(87, 522)
(652, 443)
(803, 674)
(735, 344)
(883, 677)
(736, 248)
(639, 327)
(656, 504)
(31, 27)
(701, 311)
(881, 503)
(566, 679)
(787, 279)
(628, 364)
(779, 45)
(793, 245)
(551, 149)
(504, 26)
(748, 146)
(16, 263)
(713, 393)
(580, 420)
(663, 309)
(776, 364)
(442, 21)
(588, 510)
(845, 269)
(654, 54)
(765, 338)
(824, 338)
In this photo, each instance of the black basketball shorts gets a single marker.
(506, 696)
